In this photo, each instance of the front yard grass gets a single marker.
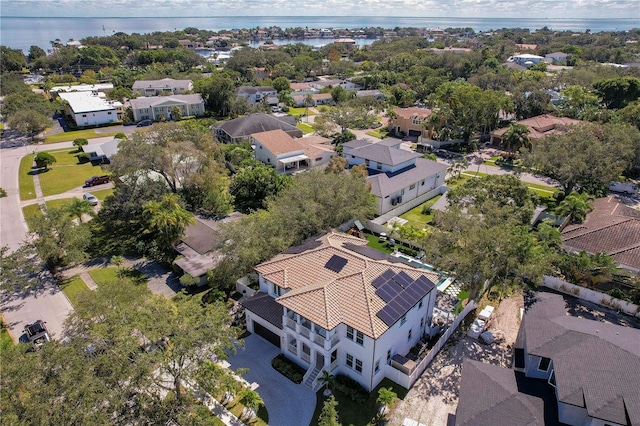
(380, 133)
(301, 111)
(352, 413)
(5, 338)
(70, 136)
(103, 193)
(381, 246)
(25, 180)
(261, 419)
(72, 288)
(109, 276)
(31, 211)
(305, 127)
(66, 173)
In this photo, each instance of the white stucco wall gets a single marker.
(96, 118)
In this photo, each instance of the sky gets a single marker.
(406, 8)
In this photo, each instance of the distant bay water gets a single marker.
(21, 33)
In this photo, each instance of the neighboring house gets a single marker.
(527, 46)
(302, 89)
(612, 228)
(160, 107)
(450, 49)
(166, 86)
(102, 87)
(409, 121)
(255, 94)
(335, 304)
(277, 149)
(526, 59)
(584, 372)
(539, 126)
(397, 176)
(261, 73)
(199, 247)
(241, 129)
(318, 99)
(102, 152)
(370, 93)
(321, 84)
(557, 57)
(90, 108)
(190, 44)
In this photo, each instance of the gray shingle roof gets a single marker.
(490, 396)
(149, 102)
(265, 307)
(256, 123)
(594, 362)
(384, 154)
(161, 84)
(250, 90)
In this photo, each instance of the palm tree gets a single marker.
(327, 380)
(516, 137)
(118, 261)
(308, 101)
(386, 398)
(168, 218)
(79, 207)
(457, 167)
(252, 401)
(575, 206)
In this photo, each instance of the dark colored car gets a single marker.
(37, 333)
(97, 180)
(144, 123)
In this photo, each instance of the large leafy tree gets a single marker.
(252, 185)
(586, 155)
(167, 219)
(29, 122)
(618, 92)
(218, 92)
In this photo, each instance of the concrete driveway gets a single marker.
(288, 404)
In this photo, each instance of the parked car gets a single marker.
(625, 187)
(144, 123)
(97, 180)
(92, 199)
(37, 333)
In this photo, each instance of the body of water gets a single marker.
(21, 33)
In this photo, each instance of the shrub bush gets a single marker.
(349, 387)
(288, 368)
(83, 157)
(426, 209)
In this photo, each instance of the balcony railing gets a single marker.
(319, 340)
(306, 357)
(334, 340)
(290, 323)
(293, 350)
(305, 332)
(333, 366)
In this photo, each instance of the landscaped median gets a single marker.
(26, 172)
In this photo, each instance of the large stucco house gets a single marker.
(161, 107)
(278, 149)
(335, 304)
(256, 94)
(397, 176)
(91, 108)
(163, 87)
(409, 121)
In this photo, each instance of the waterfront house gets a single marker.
(334, 304)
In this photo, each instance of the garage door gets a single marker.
(415, 132)
(267, 334)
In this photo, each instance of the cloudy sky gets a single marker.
(405, 8)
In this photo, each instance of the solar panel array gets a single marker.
(400, 292)
(335, 263)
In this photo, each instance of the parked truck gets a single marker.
(97, 180)
(625, 187)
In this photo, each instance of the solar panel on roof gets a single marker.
(403, 279)
(335, 263)
(378, 281)
(385, 317)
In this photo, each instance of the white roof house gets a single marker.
(153, 108)
(166, 86)
(90, 108)
(102, 87)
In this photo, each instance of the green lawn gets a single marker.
(70, 136)
(415, 216)
(109, 276)
(72, 288)
(305, 127)
(373, 242)
(31, 211)
(262, 419)
(5, 339)
(56, 204)
(380, 133)
(66, 173)
(300, 111)
(351, 413)
(25, 180)
(103, 193)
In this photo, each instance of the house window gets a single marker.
(422, 182)
(359, 338)
(260, 146)
(379, 166)
(389, 356)
(349, 360)
(544, 364)
(84, 115)
(109, 113)
(409, 334)
(421, 322)
(376, 369)
(403, 319)
(358, 366)
(334, 356)
(402, 191)
(350, 331)
(412, 186)
(277, 290)
(420, 304)
(366, 162)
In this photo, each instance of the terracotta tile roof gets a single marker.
(413, 112)
(316, 145)
(611, 228)
(541, 125)
(277, 141)
(327, 297)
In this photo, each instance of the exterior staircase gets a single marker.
(310, 380)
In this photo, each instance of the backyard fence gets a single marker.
(407, 380)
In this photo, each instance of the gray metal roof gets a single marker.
(384, 154)
(256, 123)
(382, 184)
(265, 306)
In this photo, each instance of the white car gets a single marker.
(92, 199)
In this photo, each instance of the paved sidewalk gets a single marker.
(89, 281)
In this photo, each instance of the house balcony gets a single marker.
(305, 332)
(290, 323)
(306, 358)
(333, 366)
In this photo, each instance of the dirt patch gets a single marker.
(434, 397)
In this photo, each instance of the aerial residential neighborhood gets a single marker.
(317, 225)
